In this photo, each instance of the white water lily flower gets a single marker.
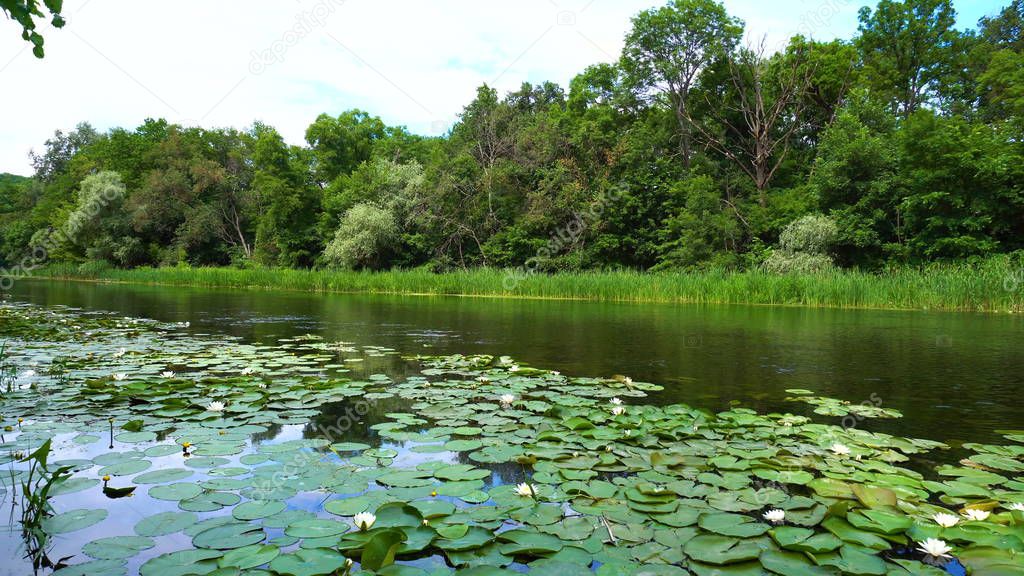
(935, 547)
(261, 385)
(120, 376)
(215, 406)
(616, 401)
(975, 514)
(618, 410)
(364, 520)
(507, 400)
(513, 368)
(120, 352)
(840, 449)
(28, 373)
(556, 373)
(1018, 506)
(627, 381)
(247, 370)
(945, 520)
(167, 374)
(775, 515)
(482, 379)
(524, 489)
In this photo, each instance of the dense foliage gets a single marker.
(902, 145)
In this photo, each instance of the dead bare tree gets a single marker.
(759, 111)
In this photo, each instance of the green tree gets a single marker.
(339, 144)
(60, 149)
(288, 203)
(1005, 31)
(854, 179)
(908, 50)
(667, 49)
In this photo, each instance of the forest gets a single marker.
(697, 149)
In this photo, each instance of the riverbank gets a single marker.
(992, 286)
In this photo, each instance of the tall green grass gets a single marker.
(991, 285)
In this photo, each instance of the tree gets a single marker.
(1005, 30)
(667, 49)
(60, 149)
(854, 179)
(25, 12)
(908, 50)
(285, 232)
(702, 231)
(342, 143)
(1001, 85)
(751, 121)
(366, 235)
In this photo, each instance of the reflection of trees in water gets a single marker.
(272, 431)
(350, 420)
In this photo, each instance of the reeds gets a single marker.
(988, 286)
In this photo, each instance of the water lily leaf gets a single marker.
(433, 508)
(256, 509)
(787, 536)
(874, 496)
(715, 549)
(315, 528)
(881, 521)
(852, 560)
(817, 544)
(125, 468)
(94, 568)
(792, 564)
(728, 524)
(525, 542)
(249, 556)
(175, 492)
(73, 520)
(209, 501)
(229, 536)
(846, 532)
(117, 547)
(72, 485)
(165, 523)
(181, 563)
(381, 548)
(308, 562)
(398, 514)
(474, 537)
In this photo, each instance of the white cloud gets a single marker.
(415, 63)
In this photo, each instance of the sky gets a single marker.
(412, 62)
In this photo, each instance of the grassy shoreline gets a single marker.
(987, 287)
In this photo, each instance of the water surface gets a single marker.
(955, 376)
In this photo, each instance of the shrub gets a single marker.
(363, 238)
(803, 247)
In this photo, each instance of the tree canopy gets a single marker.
(693, 149)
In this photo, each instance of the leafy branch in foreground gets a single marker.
(25, 12)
